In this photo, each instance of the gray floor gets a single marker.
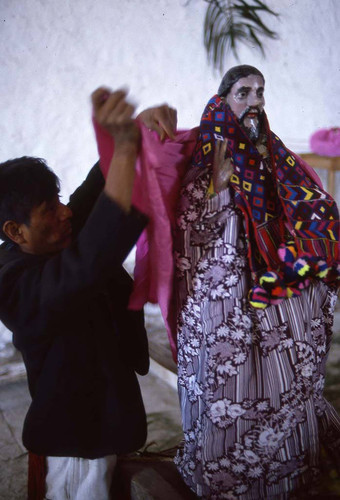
(14, 400)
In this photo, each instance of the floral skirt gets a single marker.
(250, 381)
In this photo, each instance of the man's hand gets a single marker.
(162, 119)
(114, 113)
(223, 167)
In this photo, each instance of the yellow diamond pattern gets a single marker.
(207, 148)
(290, 161)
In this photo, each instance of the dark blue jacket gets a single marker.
(81, 346)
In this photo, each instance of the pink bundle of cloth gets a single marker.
(326, 142)
(159, 170)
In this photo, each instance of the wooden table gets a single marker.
(329, 163)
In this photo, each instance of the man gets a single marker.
(64, 295)
(256, 287)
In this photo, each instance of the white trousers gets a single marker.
(70, 478)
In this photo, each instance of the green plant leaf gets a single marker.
(228, 23)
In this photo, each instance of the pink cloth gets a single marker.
(326, 142)
(159, 170)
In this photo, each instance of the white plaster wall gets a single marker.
(54, 53)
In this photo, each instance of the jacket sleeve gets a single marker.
(85, 196)
(34, 290)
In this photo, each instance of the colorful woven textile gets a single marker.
(283, 207)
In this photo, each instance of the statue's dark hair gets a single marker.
(233, 75)
(25, 183)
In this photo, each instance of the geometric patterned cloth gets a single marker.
(291, 222)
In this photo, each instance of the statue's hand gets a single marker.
(223, 167)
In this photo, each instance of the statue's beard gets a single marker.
(251, 122)
(253, 132)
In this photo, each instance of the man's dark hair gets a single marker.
(25, 183)
(233, 75)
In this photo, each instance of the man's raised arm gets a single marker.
(114, 113)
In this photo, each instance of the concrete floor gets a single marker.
(14, 401)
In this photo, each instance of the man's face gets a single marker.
(49, 230)
(246, 100)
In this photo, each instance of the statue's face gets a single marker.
(246, 100)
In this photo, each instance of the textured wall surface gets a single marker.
(54, 53)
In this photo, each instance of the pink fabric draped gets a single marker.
(159, 170)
